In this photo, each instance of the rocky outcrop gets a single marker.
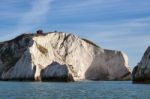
(141, 72)
(60, 57)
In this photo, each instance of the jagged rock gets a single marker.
(141, 72)
(60, 57)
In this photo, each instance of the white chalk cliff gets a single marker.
(60, 57)
(141, 72)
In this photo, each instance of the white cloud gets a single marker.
(34, 17)
(26, 20)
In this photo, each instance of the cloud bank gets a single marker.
(35, 16)
(32, 18)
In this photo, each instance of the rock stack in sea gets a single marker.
(60, 57)
(141, 72)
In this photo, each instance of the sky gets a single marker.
(122, 25)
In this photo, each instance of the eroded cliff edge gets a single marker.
(60, 57)
(141, 72)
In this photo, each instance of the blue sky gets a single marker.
(113, 24)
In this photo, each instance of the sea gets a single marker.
(74, 90)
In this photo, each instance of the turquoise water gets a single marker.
(76, 90)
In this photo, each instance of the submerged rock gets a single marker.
(141, 72)
(60, 57)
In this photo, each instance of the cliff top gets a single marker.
(24, 35)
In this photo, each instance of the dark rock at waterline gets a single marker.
(141, 72)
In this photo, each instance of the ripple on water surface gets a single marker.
(76, 90)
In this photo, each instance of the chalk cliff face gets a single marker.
(60, 57)
(141, 72)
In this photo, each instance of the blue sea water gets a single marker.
(74, 90)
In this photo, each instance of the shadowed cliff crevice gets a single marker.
(106, 66)
(56, 72)
(97, 71)
(11, 51)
